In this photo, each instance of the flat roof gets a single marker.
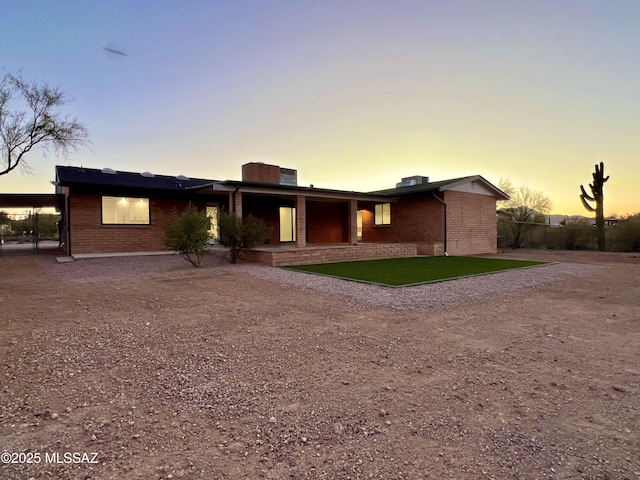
(66, 176)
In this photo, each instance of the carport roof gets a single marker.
(32, 200)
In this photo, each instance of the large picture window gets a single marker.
(125, 211)
(382, 214)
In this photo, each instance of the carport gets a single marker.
(31, 242)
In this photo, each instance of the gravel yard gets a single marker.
(158, 370)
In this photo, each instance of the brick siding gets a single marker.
(416, 219)
(471, 223)
(327, 222)
(267, 209)
(261, 173)
(88, 235)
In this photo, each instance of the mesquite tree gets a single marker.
(597, 196)
(29, 118)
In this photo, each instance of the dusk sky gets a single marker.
(352, 94)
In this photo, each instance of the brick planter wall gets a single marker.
(327, 254)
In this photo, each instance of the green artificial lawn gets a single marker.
(396, 272)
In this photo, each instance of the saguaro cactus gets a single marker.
(597, 196)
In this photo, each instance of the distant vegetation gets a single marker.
(45, 225)
(625, 236)
(524, 209)
(574, 233)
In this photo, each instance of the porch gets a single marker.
(281, 255)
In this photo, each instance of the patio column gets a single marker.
(353, 222)
(235, 203)
(301, 221)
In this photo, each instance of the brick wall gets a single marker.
(327, 222)
(88, 235)
(416, 219)
(311, 255)
(471, 223)
(267, 209)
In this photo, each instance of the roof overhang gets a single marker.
(444, 185)
(475, 180)
(285, 191)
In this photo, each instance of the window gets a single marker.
(382, 214)
(359, 224)
(125, 211)
(287, 224)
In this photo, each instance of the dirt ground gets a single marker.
(149, 369)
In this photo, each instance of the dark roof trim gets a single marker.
(441, 187)
(275, 189)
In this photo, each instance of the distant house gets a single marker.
(108, 211)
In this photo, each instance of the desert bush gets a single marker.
(579, 234)
(188, 233)
(240, 233)
(625, 236)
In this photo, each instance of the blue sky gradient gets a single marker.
(353, 94)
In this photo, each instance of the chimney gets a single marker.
(259, 172)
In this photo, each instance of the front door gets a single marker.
(213, 213)
(287, 224)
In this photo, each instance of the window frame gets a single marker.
(130, 224)
(380, 222)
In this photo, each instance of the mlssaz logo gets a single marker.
(71, 457)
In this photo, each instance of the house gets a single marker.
(108, 211)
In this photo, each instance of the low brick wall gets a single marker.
(277, 257)
(431, 249)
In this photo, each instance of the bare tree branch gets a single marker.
(35, 122)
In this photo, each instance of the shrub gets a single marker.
(626, 234)
(579, 234)
(188, 233)
(241, 233)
